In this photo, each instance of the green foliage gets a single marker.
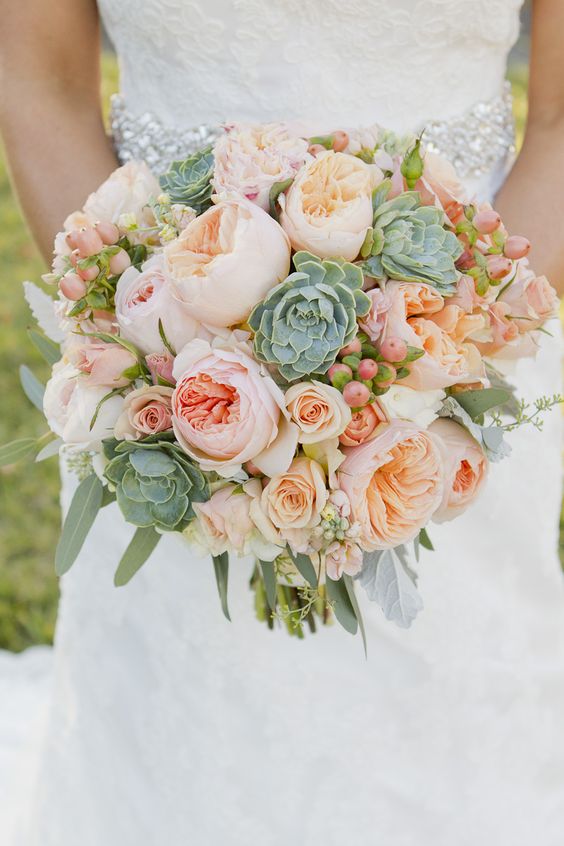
(305, 320)
(155, 482)
(189, 181)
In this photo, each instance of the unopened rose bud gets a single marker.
(355, 394)
(119, 262)
(516, 247)
(498, 267)
(160, 365)
(486, 221)
(108, 232)
(72, 286)
(88, 242)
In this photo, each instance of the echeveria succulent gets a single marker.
(189, 181)
(410, 242)
(155, 482)
(305, 320)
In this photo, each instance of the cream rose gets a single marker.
(328, 209)
(465, 468)
(293, 501)
(318, 410)
(224, 520)
(146, 411)
(227, 410)
(250, 159)
(144, 298)
(394, 483)
(70, 405)
(226, 261)
(419, 407)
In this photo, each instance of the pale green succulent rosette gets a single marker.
(305, 320)
(188, 182)
(409, 242)
(155, 482)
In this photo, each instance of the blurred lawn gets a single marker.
(29, 512)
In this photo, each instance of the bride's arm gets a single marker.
(532, 200)
(50, 115)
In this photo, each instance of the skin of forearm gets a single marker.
(531, 202)
(57, 152)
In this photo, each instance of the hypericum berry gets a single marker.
(108, 232)
(355, 394)
(486, 221)
(119, 263)
(72, 286)
(74, 258)
(340, 141)
(393, 349)
(88, 242)
(315, 149)
(498, 266)
(367, 369)
(89, 273)
(339, 368)
(70, 238)
(386, 375)
(354, 348)
(516, 247)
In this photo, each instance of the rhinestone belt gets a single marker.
(475, 142)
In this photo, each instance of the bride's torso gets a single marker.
(349, 62)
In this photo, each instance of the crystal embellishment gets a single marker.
(475, 142)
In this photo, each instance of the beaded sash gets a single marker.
(476, 142)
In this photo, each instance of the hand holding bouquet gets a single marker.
(285, 348)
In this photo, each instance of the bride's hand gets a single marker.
(532, 200)
(50, 115)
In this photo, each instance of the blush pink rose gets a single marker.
(465, 468)
(226, 261)
(363, 425)
(146, 411)
(392, 305)
(441, 186)
(126, 191)
(532, 299)
(444, 363)
(227, 410)
(394, 483)
(293, 501)
(102, 363)
(160, 367)
(224, 521)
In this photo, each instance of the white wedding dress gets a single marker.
(168, 726)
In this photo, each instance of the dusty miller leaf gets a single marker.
(386, 580)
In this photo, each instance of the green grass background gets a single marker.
(29, 511)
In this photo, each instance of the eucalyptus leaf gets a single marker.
(33, 389)
(50, 450)
(349, 584)
(269, 577)
(305, 567)
(476, 403)
(140, 548)
(338, 596)
(45, 346)
(221, 567)
(78, 522)
(387, 582)
(16, 450)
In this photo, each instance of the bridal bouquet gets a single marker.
(285, 348)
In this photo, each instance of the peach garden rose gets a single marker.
(394, 483)
(465, 468)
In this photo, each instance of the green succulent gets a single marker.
(189, 181)
(409, 242)
(155, 482)
(305, 320)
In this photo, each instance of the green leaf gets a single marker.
(277, 189)
(140, 548)
(33, 389)
(425, 540)
(16, 450)
(46, 347)
(349, 584)
(338, 596)
(221, 567)
(305, 566)
(269, 576)
(164, 339)
(78, 522)
(476, 403)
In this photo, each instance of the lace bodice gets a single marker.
(347, 62)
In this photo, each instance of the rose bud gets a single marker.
(340, 141)
(355, 394)
(72, 286)
(516, 247)
(393, 349)
(354, 348)
(108, 232)
(498, 266)
(486, 221)
(367, 369)
(160, 365)
(88, 242)
(119, 263)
